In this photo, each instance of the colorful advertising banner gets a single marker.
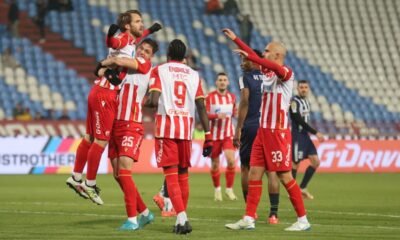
(50, 155)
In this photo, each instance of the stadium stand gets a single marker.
(346, 49)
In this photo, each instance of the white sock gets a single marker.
(145, 212)
(302, 219)
(248, 219)
(77, 176)
(181, 218)
(90, 183)
(228, 189)
(167, 204)
(132, 220)
(218, 188)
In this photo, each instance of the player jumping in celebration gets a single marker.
(127, 133)
(247, 127)
(175, 89)
(303, 147)
(271, 149)
(102, 104)
(221, 107)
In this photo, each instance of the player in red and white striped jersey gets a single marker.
(272, 146)
(127, 133)
(221, 107)
(102, 106)
(175, 89)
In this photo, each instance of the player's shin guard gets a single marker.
(295, 197)
(229, 176)
(94, 156)
(174, 190)
(129, 189)
(81, 156)
(215, 175)
(253, 197)
(184, 185)
(140, 205)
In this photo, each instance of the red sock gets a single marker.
(94, 156)
(230, 177)
(184, 185)
(81, 156)
(129, 189)
(215, 178)
(295, 197)
(141, 206)
(174, 190)
(253, 197)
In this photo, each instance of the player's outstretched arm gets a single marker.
(231, 35)
(281, 71)
(201, 110)
(242, 113)
(154, 28)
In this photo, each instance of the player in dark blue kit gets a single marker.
(246, 130)
(303, 147)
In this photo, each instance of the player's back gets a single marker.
(252, 80)
(276, 95)
(180, 86)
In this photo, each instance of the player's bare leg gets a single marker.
(244, 172)
(308, 175)
(253, 198)
(215, 175)
(294, 192)
(273, 192)
(230, 174)
(75, 181)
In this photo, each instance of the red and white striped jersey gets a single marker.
(216, 103)
(180, 86)
(276, 95)
(128, 51)
(130, 98)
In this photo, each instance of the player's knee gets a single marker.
(315, 161)
(125, 163)
(102, 143)
(88, 138)
(182, 170)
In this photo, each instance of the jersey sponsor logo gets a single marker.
(174, 112)
(293, 105)
(160, 151)
(98, 126)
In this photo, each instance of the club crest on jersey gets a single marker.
(103, 103)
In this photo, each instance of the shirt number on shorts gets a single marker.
(276, 156)
(127, 141)
(180, 93)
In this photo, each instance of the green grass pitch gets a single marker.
(346, 206)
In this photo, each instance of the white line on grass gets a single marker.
(213, 207)
(190, 218)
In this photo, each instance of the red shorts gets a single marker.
(221, 145)
(173, 152)
(102, 107)
(272, 150)
(126, 139)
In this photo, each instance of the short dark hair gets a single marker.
(152, 43)
(302, 82)
(221, 74)
(258, 52)
(176, 50)
(125, 18)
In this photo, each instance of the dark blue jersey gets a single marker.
(252, 80)
(300, 111)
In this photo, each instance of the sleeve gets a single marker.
(117, 42)
(243, 82)
(144, 65)
(199, 92)
(155, 82)
(211, 116)
(146, 33)
(296, 117)
(283, 72)
(244, 46)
